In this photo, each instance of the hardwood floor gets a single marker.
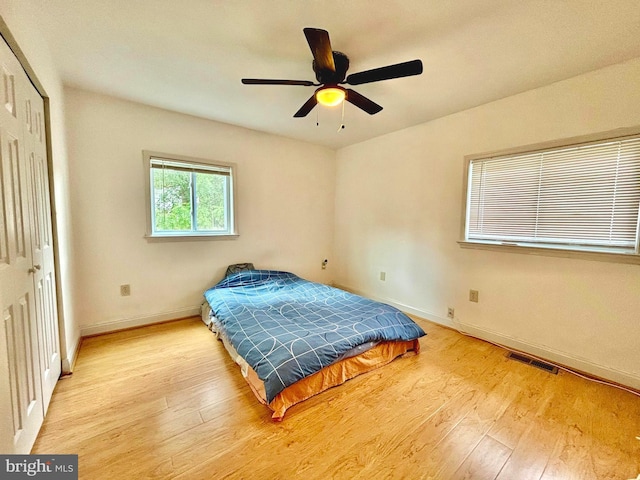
(166, 401)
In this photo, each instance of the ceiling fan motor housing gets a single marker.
(325, 75)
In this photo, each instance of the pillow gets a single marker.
(238, 267)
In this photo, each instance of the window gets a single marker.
(189, 197)
(583, 197)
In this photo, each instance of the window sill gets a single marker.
(601, 256)
(189, 237)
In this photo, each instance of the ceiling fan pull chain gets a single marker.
(342, 123)
(317, 119)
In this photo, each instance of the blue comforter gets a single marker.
(288, 328)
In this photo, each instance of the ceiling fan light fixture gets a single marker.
(330, 96)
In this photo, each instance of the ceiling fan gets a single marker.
(331, 68)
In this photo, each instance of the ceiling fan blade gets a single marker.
(307, 107)
(320, 45)
(362, 102)
(262, 81)
(405, 69)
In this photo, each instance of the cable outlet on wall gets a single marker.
(383, 276)
(473, 296)
(125, 290)
(450, 312)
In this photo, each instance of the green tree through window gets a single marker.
(210, 195)
(172, 196)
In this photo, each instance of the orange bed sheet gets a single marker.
(331, 376)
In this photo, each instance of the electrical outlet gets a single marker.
(125, 290)
(383, 276)
(473, 296)
(450, 312)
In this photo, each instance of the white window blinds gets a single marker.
(188, 167)
(582, 196)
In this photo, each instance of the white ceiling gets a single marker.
(189, 55)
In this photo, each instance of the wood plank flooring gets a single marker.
(166, 402)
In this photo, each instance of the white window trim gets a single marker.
(541, 249)
(147, 155)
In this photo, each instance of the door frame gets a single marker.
(5, 33)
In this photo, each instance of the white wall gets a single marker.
(285, 198)
(18, 16)
(399, 206)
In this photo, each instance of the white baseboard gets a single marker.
(545, 353)
(69, 361)
(138, 321)
(554, 356)
(445, 322)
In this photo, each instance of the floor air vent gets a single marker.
(530, 361)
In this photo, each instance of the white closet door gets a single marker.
(29, 345)
(42, 243)
(21, 395)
